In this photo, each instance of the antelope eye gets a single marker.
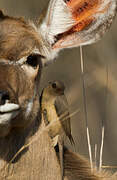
(33, 60)
(54, 85)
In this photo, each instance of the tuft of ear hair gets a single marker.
(2, 16)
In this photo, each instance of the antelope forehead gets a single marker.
(17, 41)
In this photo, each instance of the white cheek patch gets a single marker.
(29, 107)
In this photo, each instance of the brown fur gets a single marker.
(14, 31)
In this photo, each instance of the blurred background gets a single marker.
(100, 66)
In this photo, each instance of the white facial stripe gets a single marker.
(30, 103)
(23, 59)
(29, 107)
(36, 51)
(20, 61)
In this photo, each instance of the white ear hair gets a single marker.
(58, 19)
(74, 23)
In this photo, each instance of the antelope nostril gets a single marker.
(4, 96)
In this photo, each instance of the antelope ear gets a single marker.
(71, 23)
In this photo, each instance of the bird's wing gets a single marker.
(62, 110)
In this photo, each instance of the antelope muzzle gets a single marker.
(19, 100)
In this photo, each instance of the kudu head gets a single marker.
(20, 69)
(24, 47)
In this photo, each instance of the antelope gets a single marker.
(24, 50)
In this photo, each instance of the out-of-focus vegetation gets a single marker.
(101, 95)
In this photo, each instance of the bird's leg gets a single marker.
(60, 145)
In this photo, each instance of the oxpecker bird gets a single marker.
(55, 111)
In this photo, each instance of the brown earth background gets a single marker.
(101, 95)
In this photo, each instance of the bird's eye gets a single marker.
(54, 85)
(33, 60)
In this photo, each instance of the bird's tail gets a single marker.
(77, 167)
(71, 139)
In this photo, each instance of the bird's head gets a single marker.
(53, 90)
(56, 88)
